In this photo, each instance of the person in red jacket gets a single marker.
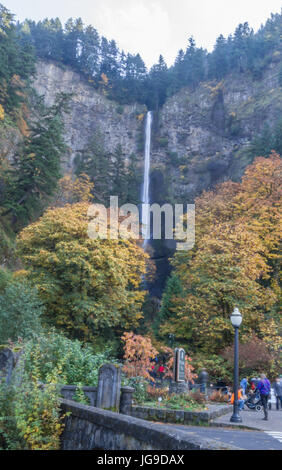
(161, 371)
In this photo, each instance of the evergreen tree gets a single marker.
(16, 63)
(120, 180)
(97, 164)
(218, 60)
(158, 83)
(90, 55)
(36, 166)
(172, 292)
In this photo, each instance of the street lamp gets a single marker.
(236, 320)
(171, 339)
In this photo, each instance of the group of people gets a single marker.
(262, 390)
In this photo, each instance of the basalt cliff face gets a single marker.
(199, 136)
(91, 113)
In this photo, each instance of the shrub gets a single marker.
(198, 397)
(20, 311)
(78, 362)
(138, 353)
(253, 356)
(30, 417)
(120, 109)
(163, 142)
(219, 397)
(181, 401)
(154, 392)
(140, 394)
(217, 367)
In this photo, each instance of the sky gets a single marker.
(153, 27)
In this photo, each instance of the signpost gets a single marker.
(179, 384)
(179, 365)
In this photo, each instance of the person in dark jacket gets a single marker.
(264, 390)
(277, 387)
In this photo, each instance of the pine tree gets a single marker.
(36, 166)
(172, 292)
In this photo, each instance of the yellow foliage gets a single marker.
(71, 190)
(2, 113)
(104, 79)
(87, 284)
(235, 262)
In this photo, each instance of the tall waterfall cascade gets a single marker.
(146, 182)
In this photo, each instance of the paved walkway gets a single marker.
(247, 440)
(253, 419)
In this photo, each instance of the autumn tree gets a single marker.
(138, 354)
(254, 357)
(90, 287)
(74, 189)
(235, 262)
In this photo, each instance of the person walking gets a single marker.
(244, 384)
(277, 388)
(264, 390)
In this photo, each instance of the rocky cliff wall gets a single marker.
(201, 136)
(90, 112)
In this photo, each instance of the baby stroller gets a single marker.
(253, 401)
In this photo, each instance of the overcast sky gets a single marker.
(153, 27)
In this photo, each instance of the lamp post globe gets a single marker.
(236, 320)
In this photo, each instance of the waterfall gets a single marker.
(146, 182)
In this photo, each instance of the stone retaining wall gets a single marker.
(89, 428)
(179, 416)
(68, 392)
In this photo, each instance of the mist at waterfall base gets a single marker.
(160, 250)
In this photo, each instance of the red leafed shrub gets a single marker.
(219, 397)
(138, 353)
(253, 356)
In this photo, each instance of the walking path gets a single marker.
(242, 439)
(253, 420)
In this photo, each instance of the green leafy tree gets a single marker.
(20, 309)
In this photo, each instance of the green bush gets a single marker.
(140, 385)
(120, 109)
(162, 141)
(217, 367)
(20, 310)
(30, 416)
(79, 364)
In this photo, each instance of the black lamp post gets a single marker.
(236, 320)
(171, 340)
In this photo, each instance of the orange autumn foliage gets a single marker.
(235, 262)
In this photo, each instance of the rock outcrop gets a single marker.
(90, 112)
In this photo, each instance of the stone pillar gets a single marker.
(178, 387)
(126, 400)
(109, 387)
